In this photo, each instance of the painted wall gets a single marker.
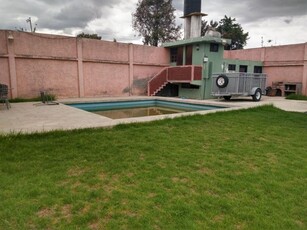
(215, 60)
(191, 93)
(250, 64)
(59, 77)
(281, 63)
(4, 72)
(214, 65)
(248, 54)
(71, 67)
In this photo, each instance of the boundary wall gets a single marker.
(287, 63)
(76, 67)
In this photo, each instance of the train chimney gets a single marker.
(192, 18)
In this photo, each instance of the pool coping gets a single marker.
(34, 117)
(226, 106)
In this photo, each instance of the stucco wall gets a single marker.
(58, 77)
(285, 53)
(281, 63)
(283, 74)
(248, 54)
(71, 67)
(4, 65)
(150, 54)
(104, 50)
(105, 79)
(32, 44)
(141, 77)
(3, 45)
(4, 72)
(142, 74)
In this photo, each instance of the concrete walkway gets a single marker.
(36, 117)
(279, 102)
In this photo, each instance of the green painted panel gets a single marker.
(190, 93)
(250, 64)
(215, 63)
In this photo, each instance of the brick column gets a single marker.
(263, 54)
(12, 64)
(80, 68)
(131, 70)
(304, 79)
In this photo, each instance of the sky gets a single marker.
(273, 22)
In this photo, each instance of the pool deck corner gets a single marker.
(32, 117)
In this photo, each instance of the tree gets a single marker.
(205, 26)
(91, 36)
(154, 20)
(232, 30)
(29, 20)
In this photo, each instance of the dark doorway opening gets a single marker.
(180, 56)
(170, 90)
(188, 55)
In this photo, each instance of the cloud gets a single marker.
(112, 18)
(14, 14)
(54, 15)
(71, 16)
(251, 11)
(288, 20)
(178, 4)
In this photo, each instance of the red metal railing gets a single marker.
(178, 74)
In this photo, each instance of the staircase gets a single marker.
(176, 74)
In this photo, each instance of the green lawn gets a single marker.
(230, 170)
(297, 97)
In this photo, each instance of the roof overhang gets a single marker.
(205, 39)
(194, 14)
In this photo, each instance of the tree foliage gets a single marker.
(154, 20)
(205, 26)
(91, 36)
(230, 29)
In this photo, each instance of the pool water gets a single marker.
(141, 108)
(138, 112)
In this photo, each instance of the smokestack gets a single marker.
(192, 6)
(192, 18)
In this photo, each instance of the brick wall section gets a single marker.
(198, 73)
(71, 67)
(180, 74)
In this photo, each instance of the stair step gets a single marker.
(160, 88)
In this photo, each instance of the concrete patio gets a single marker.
(37, 117)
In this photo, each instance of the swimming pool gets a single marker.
(140, 108)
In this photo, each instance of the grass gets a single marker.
(51, 97)
(296, 97)
(229, 170)
(18, 99)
